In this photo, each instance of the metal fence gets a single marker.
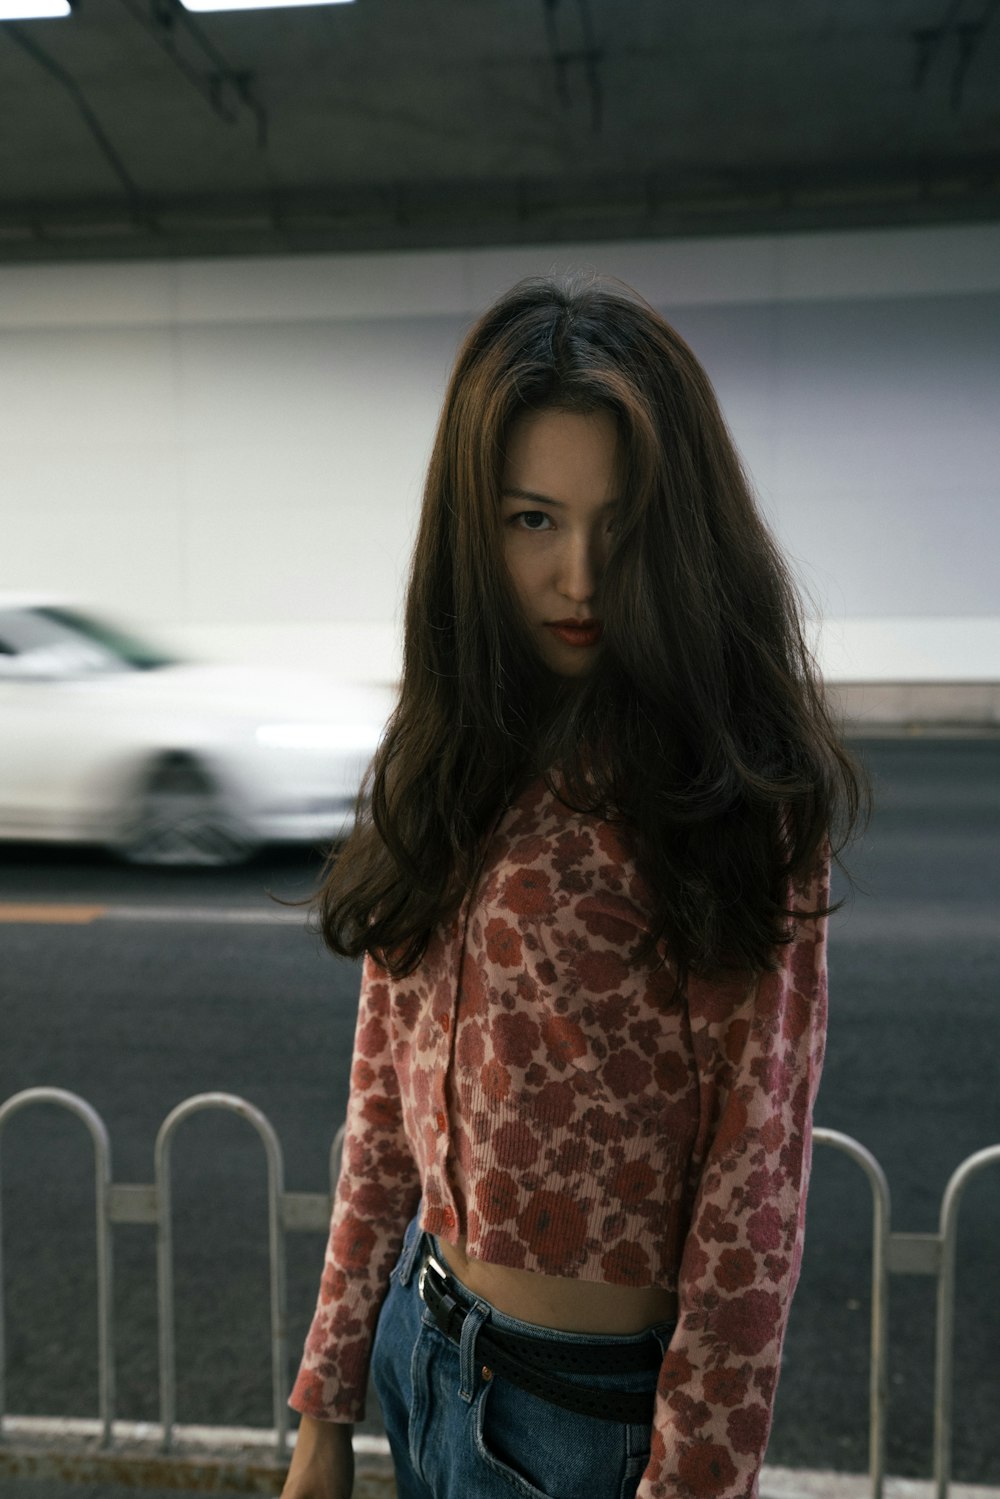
(171, 1456)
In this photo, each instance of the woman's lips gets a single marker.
(573, 632)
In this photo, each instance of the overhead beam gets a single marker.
(450, 215)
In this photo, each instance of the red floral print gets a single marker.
(627, 1074)
(371, 1039)
(406, 1009)
(600, 971)
(725, 1386)
(332, 1287)
(528, 892)
(379, 1112)
(496, 1081)
(554, 1106)
(737, 1036)
(579, 1116)
(355, 1240)
(362, 1075)
(626, 1265)
(689, 1415)
(503, 944)
(716, 1225)
(705, 1469)
(470, 1049)
(564, 1038)
(765, 1228)
(497, 1197)
(736, 1268)
(553, 1226)
(571, 1157)
(515, 1038)
(516, 1145)
(634, 1183)
(676, 1371)
(748, 1428)
(745, 1322)
(499, 1248)
(671, 1072)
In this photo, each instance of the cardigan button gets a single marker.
(487, 1373)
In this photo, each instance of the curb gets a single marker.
(810, 1483)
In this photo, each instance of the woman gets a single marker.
(591, 891)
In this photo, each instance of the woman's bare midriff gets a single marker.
(557, 1302)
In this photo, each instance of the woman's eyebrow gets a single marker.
(512, 492)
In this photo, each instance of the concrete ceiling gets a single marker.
(135, 129)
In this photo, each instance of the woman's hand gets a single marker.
(322, 1464)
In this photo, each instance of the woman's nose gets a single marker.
(580, 571)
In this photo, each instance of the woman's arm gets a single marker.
(759, 1060)
(377, 1195)
(322, 1465)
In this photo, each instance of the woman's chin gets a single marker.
(570, 660)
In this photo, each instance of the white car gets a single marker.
(105, 738)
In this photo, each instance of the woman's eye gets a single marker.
(532, 520)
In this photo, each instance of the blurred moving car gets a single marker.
(106, 738)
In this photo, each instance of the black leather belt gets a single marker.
(526, 1362)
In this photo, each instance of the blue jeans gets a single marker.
(455, 1435)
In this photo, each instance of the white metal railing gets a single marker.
(911, 1254)
(290, 1212)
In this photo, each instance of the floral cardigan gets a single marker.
(569, 1111)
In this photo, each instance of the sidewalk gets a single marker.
(809, 1483)
(900, 710)
(374, 1481)
(40, 1454)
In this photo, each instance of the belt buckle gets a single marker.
(429, 1263)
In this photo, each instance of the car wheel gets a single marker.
(181, 815)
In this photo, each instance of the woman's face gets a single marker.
(558, 497)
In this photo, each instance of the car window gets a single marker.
(128, 648)
(48, 643)
(52, 641)
(38, 647)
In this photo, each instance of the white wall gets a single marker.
(232, 451)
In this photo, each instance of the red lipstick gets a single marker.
(580, 632)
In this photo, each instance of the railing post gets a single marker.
(944, 1354)
(878, 1382)
(276, 1242)
(336, 1158)
(102, 1190)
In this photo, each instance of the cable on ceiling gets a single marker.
(162, 22)
(589, 54)
(139, 209)
(928, 41)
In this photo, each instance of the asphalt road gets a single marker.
(203, 990)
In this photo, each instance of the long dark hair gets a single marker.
(701, 730)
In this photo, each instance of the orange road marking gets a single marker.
(60, 915)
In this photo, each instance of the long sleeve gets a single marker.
(759, 1059)
(377, 1194)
